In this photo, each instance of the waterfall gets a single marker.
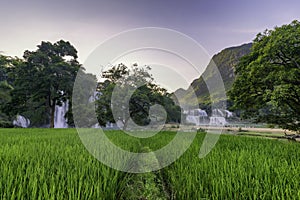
(228, 113)
(218, 113)
(21, 121)
(196, 116)
(218, 117)
(193, 119)
(218, 121)
(59, 115)
(200, 112)
(200, 117)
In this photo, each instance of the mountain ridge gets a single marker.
(225, 62)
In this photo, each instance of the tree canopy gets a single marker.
(44, 79)
(267, 86)
(5, 89)
(131, 92)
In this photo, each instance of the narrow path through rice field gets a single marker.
(150, 185)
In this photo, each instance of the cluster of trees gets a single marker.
(266, 87)
(267, 84)
(133, 92)
(34, 85)
(5, 89)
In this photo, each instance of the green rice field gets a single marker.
(54, 164)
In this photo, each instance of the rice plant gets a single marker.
(54, 164)
(237, 168)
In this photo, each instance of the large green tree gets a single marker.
(43, 80)
(131, 92)
(6, 63)
(267, 87)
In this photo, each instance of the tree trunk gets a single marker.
(52, 114)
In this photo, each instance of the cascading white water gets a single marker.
(196, 116)
(218, 121)
(200, 117)
(228, 113)
(192, 119)
(21, 121)
(218, 117)
(59, 115)
(218, 113)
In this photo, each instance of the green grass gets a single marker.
(261, 134)
(53, 164)
(238, 168)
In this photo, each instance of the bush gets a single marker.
(271, 126)
(5, 124)
(201, 130)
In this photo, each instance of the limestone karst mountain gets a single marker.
(225, 62)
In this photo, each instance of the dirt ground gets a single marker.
(259, 130)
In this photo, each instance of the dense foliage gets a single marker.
(41, 80)
(267, 86)
(5, 89)
(44, 78)
(134, 92)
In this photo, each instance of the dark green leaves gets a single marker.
(267, 86)
(44, 79)
(135, 86)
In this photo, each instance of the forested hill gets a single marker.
(225, 61)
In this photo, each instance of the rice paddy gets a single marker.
(54, 164)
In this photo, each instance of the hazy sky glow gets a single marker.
(87, 23)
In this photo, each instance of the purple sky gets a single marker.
(87, 23)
